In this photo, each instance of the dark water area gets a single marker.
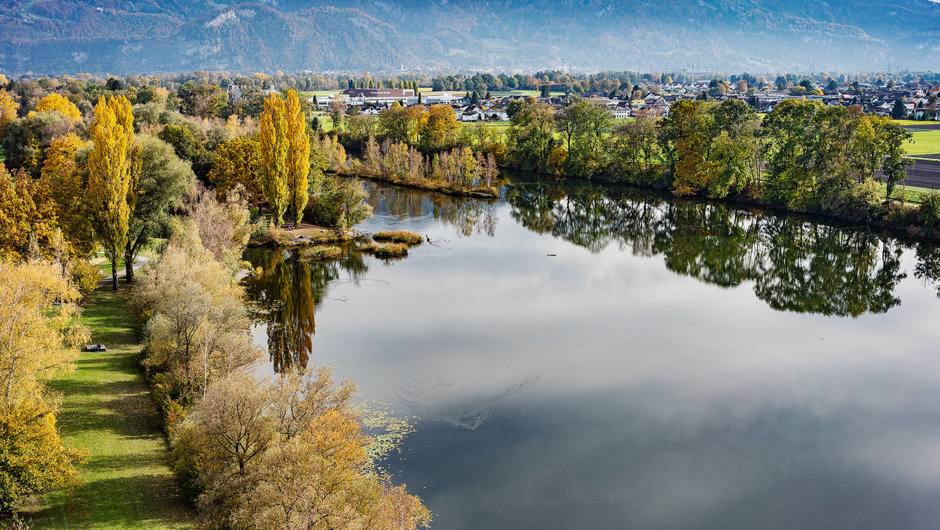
(581, 356)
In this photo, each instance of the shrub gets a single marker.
(399, 236)
(929, 213)
(85, 277)
(320, 252)
(394, 250)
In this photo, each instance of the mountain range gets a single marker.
(149, 36)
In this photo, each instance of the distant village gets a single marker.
(918, 102)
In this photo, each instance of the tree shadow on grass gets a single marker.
(138, 501)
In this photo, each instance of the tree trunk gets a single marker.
(129, 268)
(114, 282)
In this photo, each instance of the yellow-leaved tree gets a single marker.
(27, 215)
(298, 155)
(38, 332)
(238, 162)
(8, 108)
(63, 179)
(113, 167)
(58, 103)
(274, 153)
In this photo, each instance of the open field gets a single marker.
(107, 409)
(924, 142)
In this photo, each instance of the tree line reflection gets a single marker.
(794, 263)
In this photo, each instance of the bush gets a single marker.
(399, 236)
(394, 250)
(929, 213)
(85, 277)
(326, 208)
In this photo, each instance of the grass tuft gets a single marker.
(320, 252)
(399, 236)
(393, 250)
(370, 246)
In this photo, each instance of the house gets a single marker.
(378, 95)
(620, 113)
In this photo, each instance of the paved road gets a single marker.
(106, 283)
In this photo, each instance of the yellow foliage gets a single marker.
(238, 162)
(58, 103)
(26, 209)
(274, 153)
(8, 109)
(298, 155)
(38, 332)
(111, 175)
(64, 182)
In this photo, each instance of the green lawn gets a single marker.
(107, 409)
(924, 142)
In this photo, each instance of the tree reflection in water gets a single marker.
(795, 264)
(287, 292)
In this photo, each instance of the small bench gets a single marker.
(95, 347)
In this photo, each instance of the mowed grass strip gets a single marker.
(106, 408)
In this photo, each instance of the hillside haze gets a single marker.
(118, 36)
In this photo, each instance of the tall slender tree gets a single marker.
(113, 166)
(274, 149)
(298, 156)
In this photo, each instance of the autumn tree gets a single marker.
(275, 144)
(62, 175)
(27, 212)
(238, 162)
(291, 453)
(197, 330)
(440, 129)
(38, 335)
(114, 167)
(8, 108)
(58, 103)
(336, 114)
(298, 156)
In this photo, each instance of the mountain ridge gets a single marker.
(122, 36)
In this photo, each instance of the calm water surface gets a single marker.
(590, 357)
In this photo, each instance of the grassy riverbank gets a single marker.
(107, 409)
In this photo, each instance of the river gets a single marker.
(581, 356)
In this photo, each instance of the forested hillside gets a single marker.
(383, 35)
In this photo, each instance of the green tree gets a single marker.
(898, 111)
(164, 180)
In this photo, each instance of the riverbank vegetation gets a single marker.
(802, 156)
(289, 452)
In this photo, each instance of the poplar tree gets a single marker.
(298, 155)
(274, 149)
(113, 166)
